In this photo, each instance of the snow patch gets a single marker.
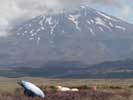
(49, 20)
(92, 21)
(38, 40)
(106, 16)
(111, 24)
(83, 7)
(92, 32)
(120, 27)
(74, 19)
(53, 28)
(99, 21)
(89, 22)
(31, 31)
(42, 20)
(33, 34)
(101, 29)
(42, 28)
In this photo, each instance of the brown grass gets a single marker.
(81, 95)
(106, 89)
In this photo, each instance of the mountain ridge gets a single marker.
(121, 69)
(85, 35)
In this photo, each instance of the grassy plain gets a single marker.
(9, 84)
(116, 89)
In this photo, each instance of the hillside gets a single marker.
(83, 35)
(117, 69)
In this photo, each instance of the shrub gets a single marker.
(83, 87)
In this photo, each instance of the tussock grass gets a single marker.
(81, 95)
(106, 89)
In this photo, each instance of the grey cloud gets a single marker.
(116, 3)
(12, 10)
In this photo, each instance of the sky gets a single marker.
(16, 11)
(121, 9)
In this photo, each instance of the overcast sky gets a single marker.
(119, 8)
(13, 10)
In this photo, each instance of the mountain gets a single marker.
(84, 35)
(121, 69)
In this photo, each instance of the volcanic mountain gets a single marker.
(84, 35)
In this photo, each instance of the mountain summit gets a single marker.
(85, 35)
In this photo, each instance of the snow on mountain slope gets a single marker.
(82, 20)
(85, 35)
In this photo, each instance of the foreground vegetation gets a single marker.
(106, 89)
(81, 95)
